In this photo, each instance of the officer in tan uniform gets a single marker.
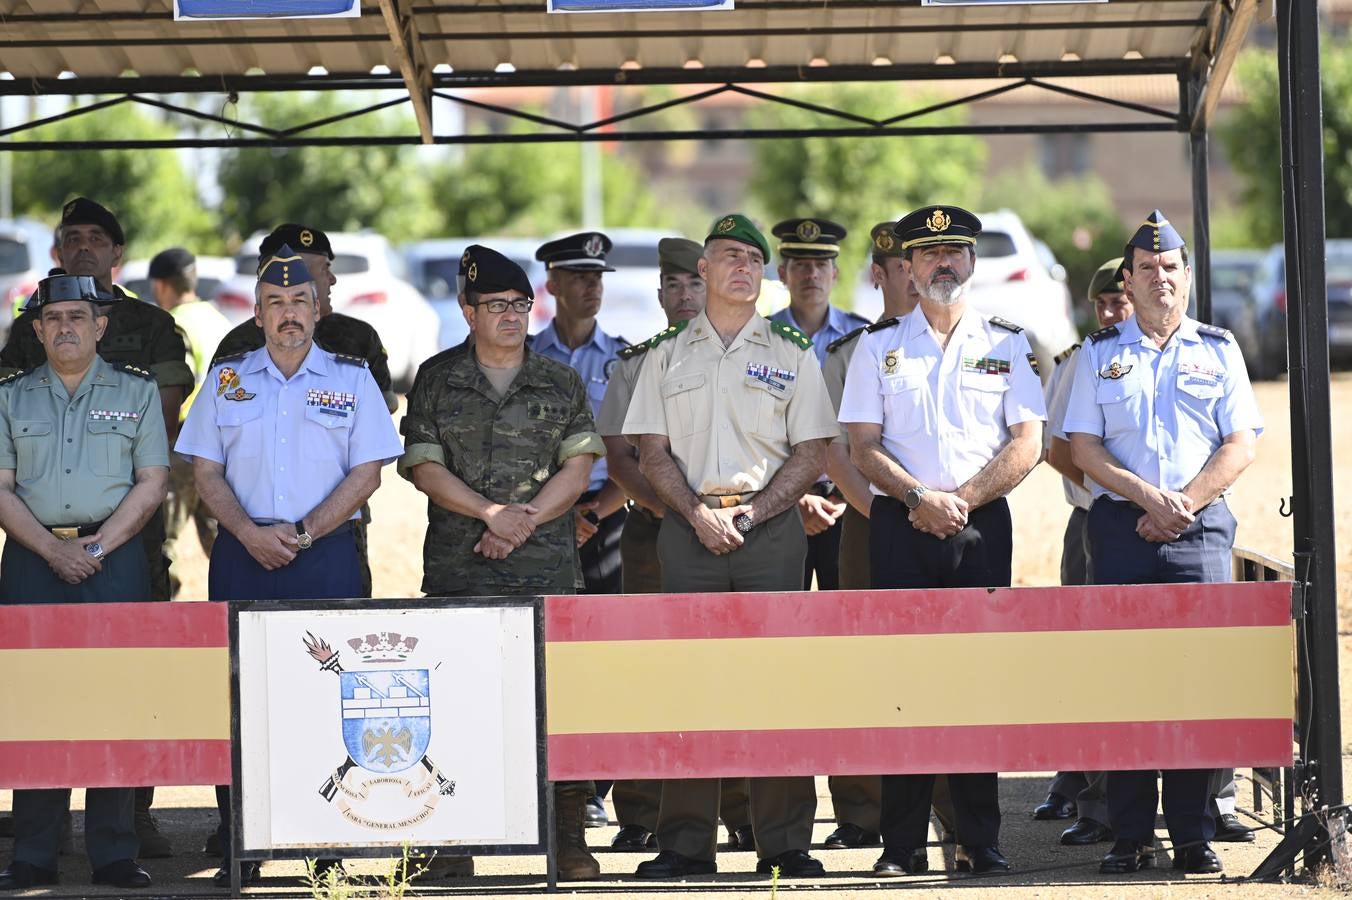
(731, 419)
(681, 295)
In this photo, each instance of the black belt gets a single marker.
(1134, 507)
(71, 532)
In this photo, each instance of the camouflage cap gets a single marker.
(737, 227)
(676, 254)
(1108, 278)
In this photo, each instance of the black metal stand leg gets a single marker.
(551, 842)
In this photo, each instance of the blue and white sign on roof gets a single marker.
(628, 6)
(266, 9)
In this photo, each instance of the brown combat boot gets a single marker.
(574, 860)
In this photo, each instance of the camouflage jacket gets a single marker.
(504, 450)
(138, 333)
(335, 333)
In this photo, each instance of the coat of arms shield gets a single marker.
(387, 718)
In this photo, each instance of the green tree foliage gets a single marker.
(1252, 138)
(1074, 216)
(150, 191)
(859, 181)
(335, 188)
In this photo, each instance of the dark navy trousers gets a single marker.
(1201, 554)
(329, 570)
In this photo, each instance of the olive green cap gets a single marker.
(676, 254)
(737, 227)
(1107, 278)
(885, 242)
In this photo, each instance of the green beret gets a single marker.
(1107, 278)
(737, 227)
(676, 254)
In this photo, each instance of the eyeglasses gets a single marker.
(500, 306)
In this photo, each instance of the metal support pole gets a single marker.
(1311, 444)
(1201, 227)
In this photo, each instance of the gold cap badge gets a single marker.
(726, 225)
(884, 242)
(938, 221)
(306, 237)
(808, 230)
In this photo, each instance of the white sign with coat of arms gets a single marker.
(377, 727)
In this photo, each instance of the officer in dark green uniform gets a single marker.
(335, 332)
(90, 242)
(84, 462)
(502, 441)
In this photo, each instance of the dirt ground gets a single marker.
(1042, 867)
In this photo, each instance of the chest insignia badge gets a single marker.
(1115, 371)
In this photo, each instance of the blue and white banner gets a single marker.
(627, 6)
(266, 9)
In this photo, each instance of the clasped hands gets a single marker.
(509, 527)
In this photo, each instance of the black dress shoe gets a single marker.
(1054, 807)
(1230, 830)
(792, 864)
(849, 836)
(1085, 832)
(670, 865)
(1127, 856)
(901, 861)
(742, 838)
(631, 837)
(595, 816)
(249, 873)
(213, 845)
(1200, 860)
(124, 873)
(22, 875)
(983, 860)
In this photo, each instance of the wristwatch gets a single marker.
(742, 522)
(912, 497)
(95, 550)
(303, 539)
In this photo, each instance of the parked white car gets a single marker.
(372, 286)
(1012, 280)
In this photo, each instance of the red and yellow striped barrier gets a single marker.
(709, 685)
(681, 686)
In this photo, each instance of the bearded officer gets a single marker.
(731, 419)
(681, 294)
(502, 442)
(287, 442)
(808, 249)
(1082, 794)
(945, 412)
(1162, 421)
(84, 463)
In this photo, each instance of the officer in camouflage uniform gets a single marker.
(336, 333)
(502, 442)
(90, 242)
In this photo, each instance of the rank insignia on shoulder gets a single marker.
(789, 333)
(1104, 333)
(229, 357)
(633, 350)
(350, 359)
(669, 332)
(136, 370)
(1065, 354)
(1005, 324)
(1115, 371)
(881, 324)
(13, 375)
(842, 341)
(1032, 361)
(1214, 331)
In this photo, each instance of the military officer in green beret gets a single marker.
(502, 441)
(731, 419)
(90, 241)
(681, 296)
(84, 463)
(335, 332)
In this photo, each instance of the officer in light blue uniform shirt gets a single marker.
(1161, 420)
(807, 266)
(575, 264)
(287, 443)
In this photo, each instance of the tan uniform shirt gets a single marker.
(833, 373)
(732, 414)
(619, 394)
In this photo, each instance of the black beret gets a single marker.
(489, 272)
(301, 239)
(83, 211)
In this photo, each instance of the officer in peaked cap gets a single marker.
(807, 267)
(945, 409)
(84, 453)
(1162, 421)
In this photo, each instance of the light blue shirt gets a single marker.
(594, 361)
(287, 443)
(838, 324)
(1161, 413)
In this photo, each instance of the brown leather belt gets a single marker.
(725, 501)
(71, 532)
